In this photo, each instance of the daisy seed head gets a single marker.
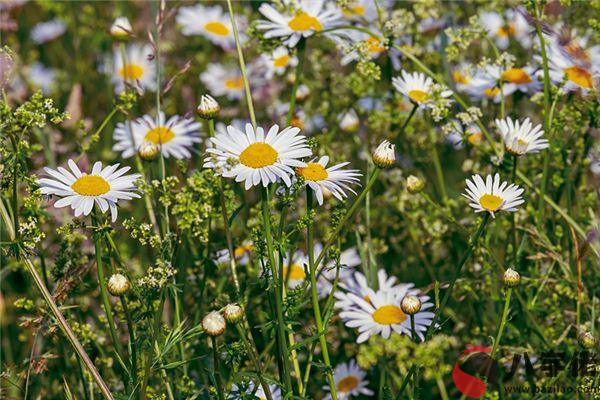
(587, 340)
(208, 108)
(118, 285)
(511, 278)
(385, 154)
(410, 305)
(233, 313)
(148, 151)
(414, 184)
(121, 29)
(214, 324)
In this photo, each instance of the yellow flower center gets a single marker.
(491, 92)
(459, 78)
(418, 96)
(576, 51)
(313, 172)
(579, 76)
(522, 142)
(303, 22)
(131, 72)
(258, 155)
(234, 83)
(475, 138)
(516, 75)
(91, 185)
(296, 272)
(389, 315)
(297, 122)
(490, 202)
(347, 384)
(504, 32)
(217, 28)
(282, 61)
(374, 45)
(159, 135)
(241, 250)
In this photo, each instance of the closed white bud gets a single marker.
(302, 92)
(214, 324)
(148, 151)
(414, 184)
(349, 122)
(385, 154)
(511, 278)
(208, 107)
(233, 312)
(118, 285)
(121, 28)
(410, 305)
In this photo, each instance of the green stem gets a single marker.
(220, 387)
(253, 354)
(472, 244)
(438, 167)
(132, 341)
(315, 296)
(298, 71)
(502, 322)
(240, 54)
(60, 319)
(266, 214)
(405, 124)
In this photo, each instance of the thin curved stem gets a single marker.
(502, 322)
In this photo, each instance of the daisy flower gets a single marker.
(103, 186)
(136, 70)
(459, 134)
(349, 260)
(236, 392)
(492, 196)
(462, 76)
(349, 381)
(221, 81)
(416, 87)
(241, 254)
(575, 75)
(47, 31)
(278, 61)
(362, 10)
(335, 179)
(515, 27)
(308, 18)
(258, 158)
(175, 136)
(210, 22)
(382, 315)
(522, 79)
(293, 269)
(372, 46)
(521, 138)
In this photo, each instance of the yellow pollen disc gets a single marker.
(504, 32)
(131, 72)
(491, 92)
(241, 250)
(579, 76)
(296, 273)
(258, 155)
(490, 202)
(347, 384)
(313, 172)
(281, 62)
(389, 315)
(516, 75)
(522, 142)
(217, 28)
(91, 185)
(159, 135)
(475, 138)
(303, 22)
(459, 78)
(234, 83)
(297, 122)
(374, 45)
(418, 96)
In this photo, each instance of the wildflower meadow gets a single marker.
(299, 199)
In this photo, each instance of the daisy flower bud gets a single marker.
(148, 151)
(511, 278)
(214, 324)
(302, 92)
(410, 305)
(208, 107)
(414, 184)
(118, 285)
(121, 28)
(384, 155)
(233, 313)
(587, 340)
(349, 122)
